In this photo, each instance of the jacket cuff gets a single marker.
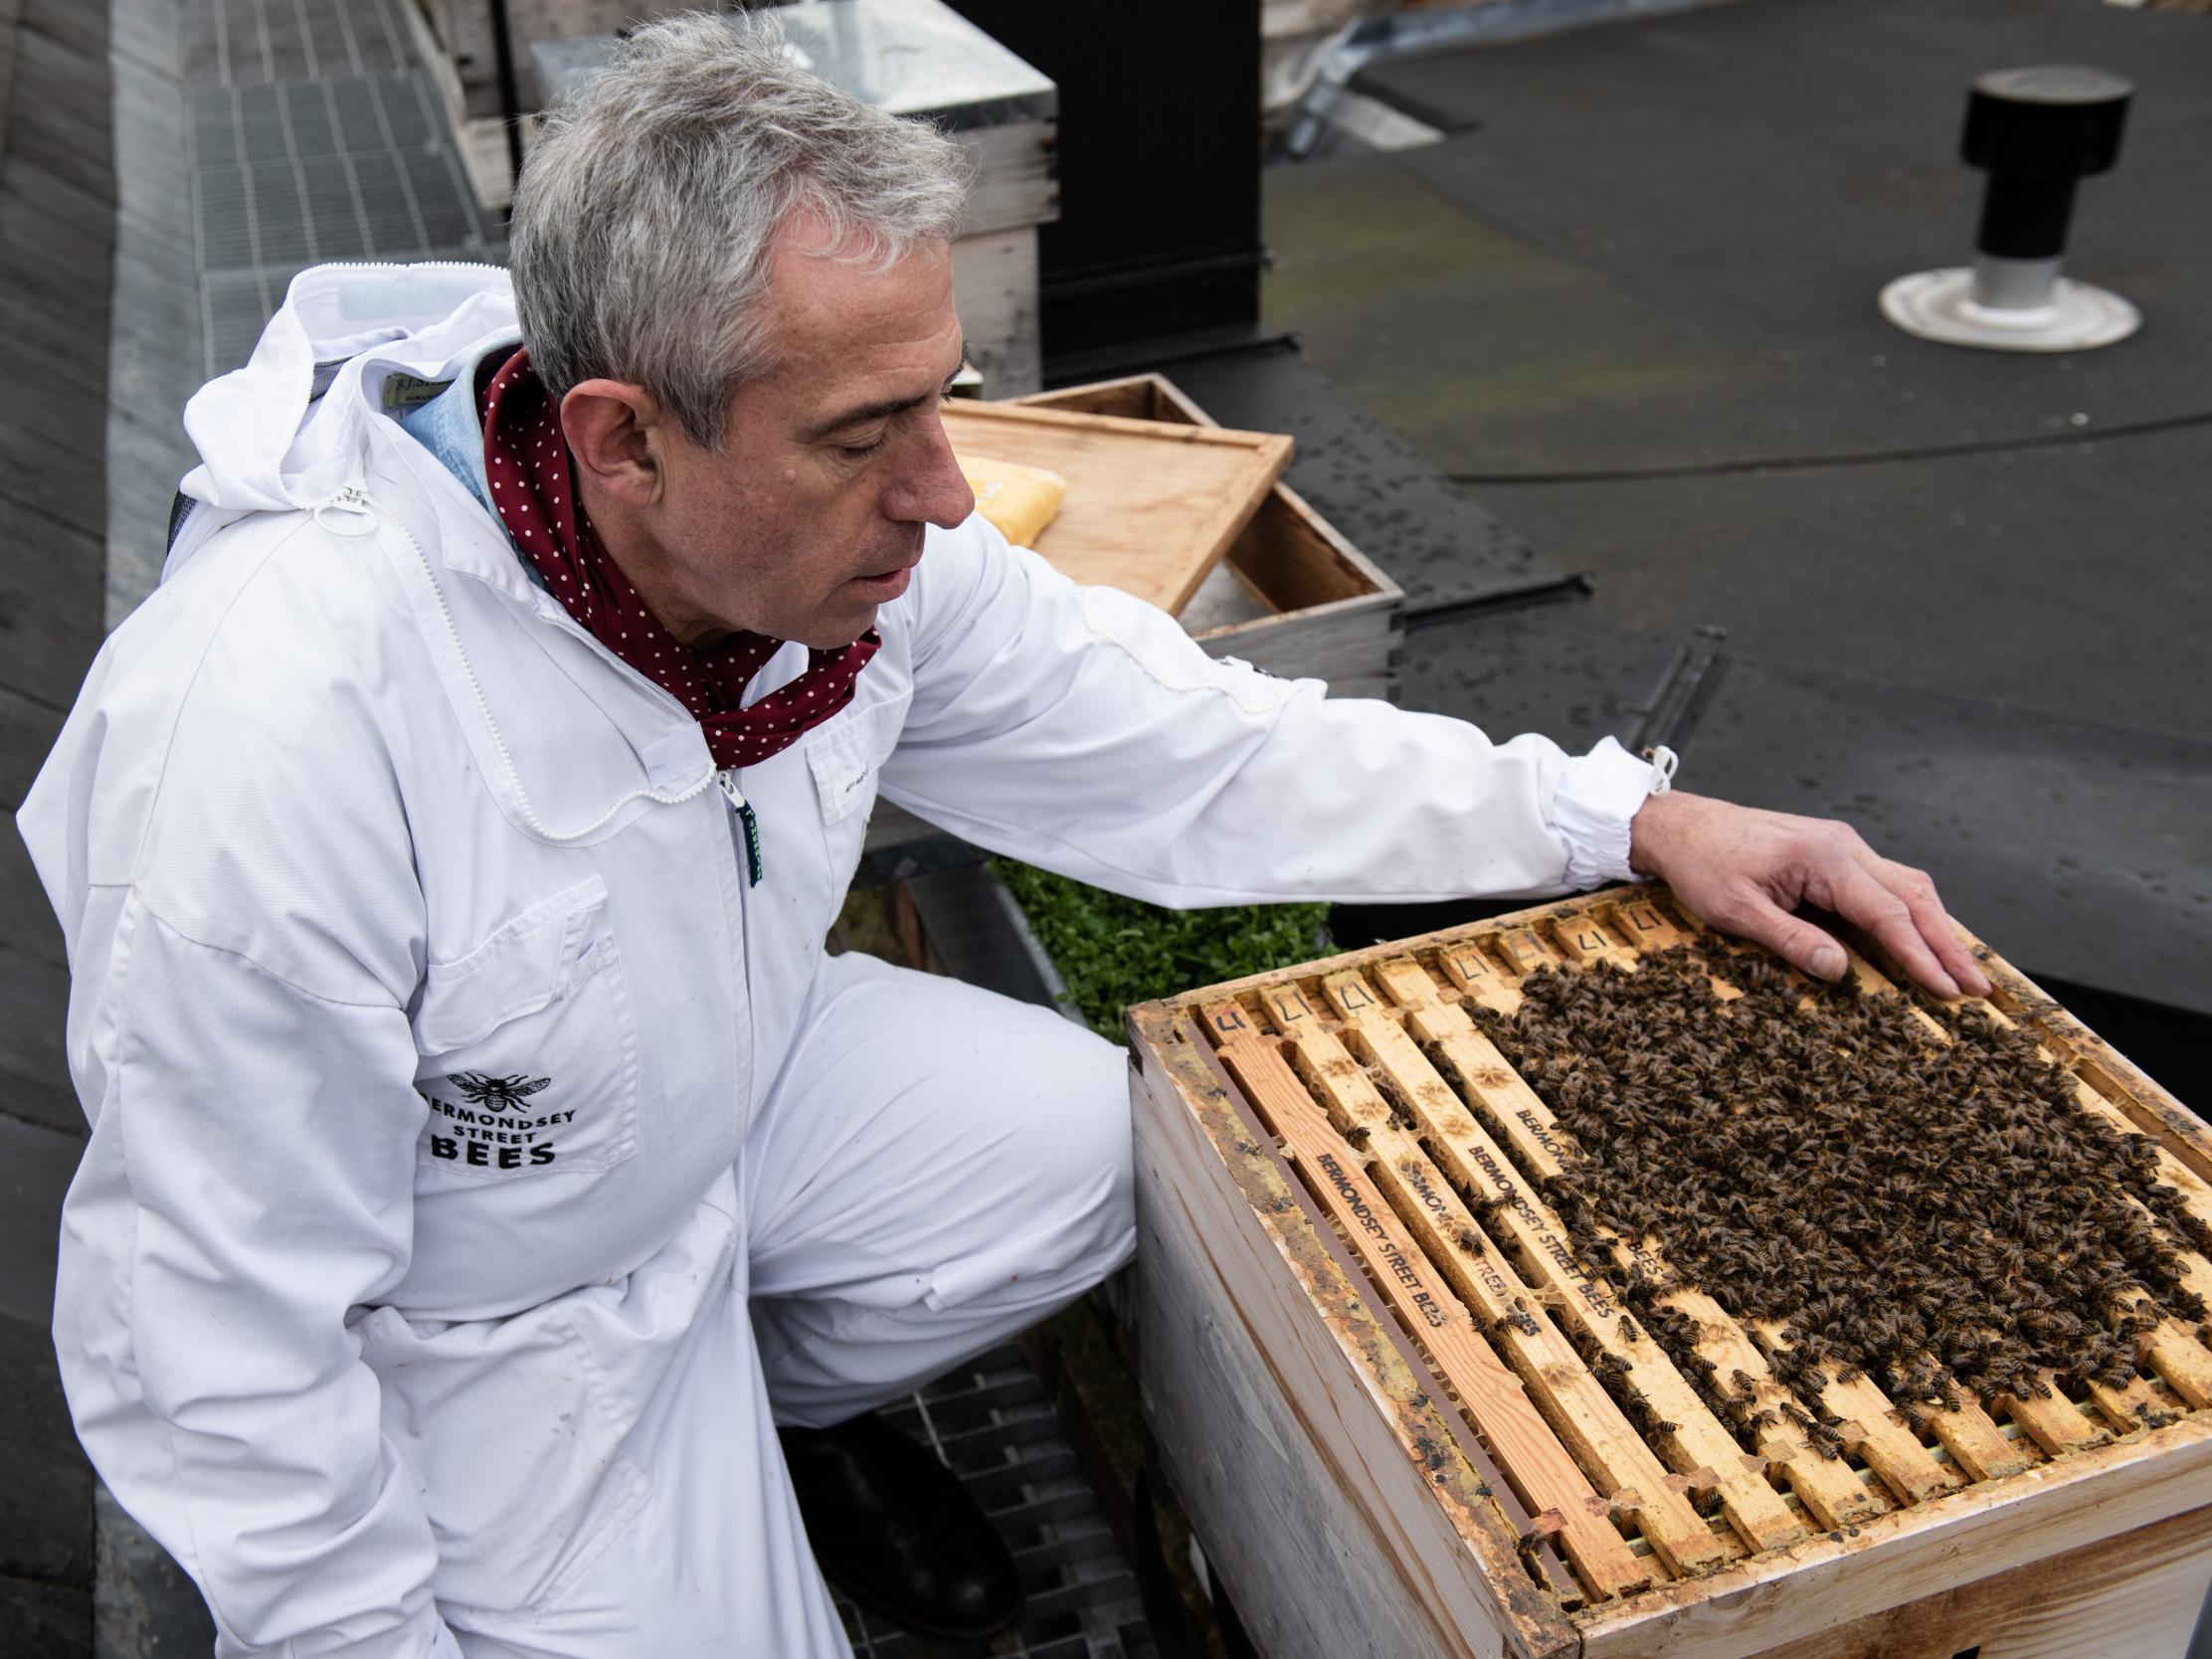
(1597, 797)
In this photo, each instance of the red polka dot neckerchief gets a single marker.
(527, 461)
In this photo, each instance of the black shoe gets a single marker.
(895, 1530)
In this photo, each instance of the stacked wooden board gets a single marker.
(1403, 1406)
(1150, 505)
(1291, 595)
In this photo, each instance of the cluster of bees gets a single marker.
(1940, 1218)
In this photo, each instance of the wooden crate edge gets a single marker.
(1382, 590)
(2153, 1107)
(1166, 1069)
(1946, 1542)
(1546, 912)
(1341, 544)
(2149, 1583)
(1017, 409)
(1185, 405)
(1258, 627)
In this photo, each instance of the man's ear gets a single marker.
(618, 434)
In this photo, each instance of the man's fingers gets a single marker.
(1803, 946)
(1918, 891)
(1865, 897)
(1941, 934)
(1959, 958)
(1747, 869)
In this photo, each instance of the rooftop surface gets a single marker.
(57, 241)
(1628, 303)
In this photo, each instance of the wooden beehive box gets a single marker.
(1292, 596)
(1367, 1400)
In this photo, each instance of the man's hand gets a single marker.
(1744, 870)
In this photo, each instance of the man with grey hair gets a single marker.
(486, 1156)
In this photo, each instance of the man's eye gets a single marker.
(860, 451)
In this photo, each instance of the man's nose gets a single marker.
(935, 491)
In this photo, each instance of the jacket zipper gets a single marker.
(354, 500)
(748, 824)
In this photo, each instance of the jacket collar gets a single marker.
(287, 430)
(557, 783)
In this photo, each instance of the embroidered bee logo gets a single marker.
(497, 1094)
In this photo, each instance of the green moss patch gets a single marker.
(1114, 950)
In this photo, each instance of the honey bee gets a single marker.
(1939, 1214)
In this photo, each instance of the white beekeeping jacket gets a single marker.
(417, 978)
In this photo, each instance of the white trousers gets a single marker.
(935, 1169)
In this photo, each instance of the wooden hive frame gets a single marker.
(1386, 1417)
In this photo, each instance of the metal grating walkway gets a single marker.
(991, 1423)
(241, 42)
(313, 137)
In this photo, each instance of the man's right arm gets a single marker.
(248, 1181)
(223, 835)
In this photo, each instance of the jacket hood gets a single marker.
(287, 431)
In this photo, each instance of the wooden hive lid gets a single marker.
(1150, 505)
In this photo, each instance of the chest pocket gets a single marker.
(529, 1051)
(845, 756)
